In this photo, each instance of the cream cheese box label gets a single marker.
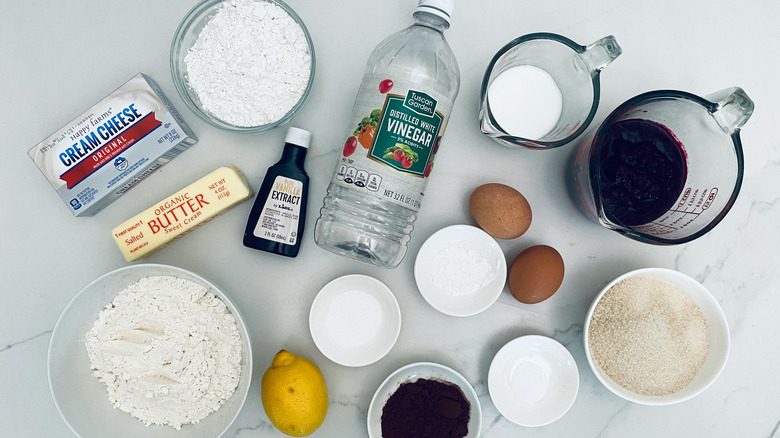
(109, 148)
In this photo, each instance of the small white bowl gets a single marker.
(412, 373)
(719, 338)
(533, 380)
(460, 270)
(355, 320)
(81, 398)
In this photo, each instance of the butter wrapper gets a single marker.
(109, 148)
(181, 212)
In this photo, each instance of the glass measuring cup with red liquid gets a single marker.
(665, 167)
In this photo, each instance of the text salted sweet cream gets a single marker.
(181, 212)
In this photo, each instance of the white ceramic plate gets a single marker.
(411, 373)
(81, 399)
(460, 270)
(533, 380)
(719, 338)
(355, 320)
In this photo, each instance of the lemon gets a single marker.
(294, 394)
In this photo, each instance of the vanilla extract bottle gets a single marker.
(277, 218)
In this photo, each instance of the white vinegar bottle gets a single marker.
(400, 114)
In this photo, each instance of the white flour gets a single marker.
(461, 271)
(168, 351)
(250, 64)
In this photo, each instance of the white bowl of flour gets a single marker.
(155, 341)
(243, 65)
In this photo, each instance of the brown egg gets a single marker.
(536, 274)
(500, 210)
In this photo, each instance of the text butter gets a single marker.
(181, 212)
(105, 151)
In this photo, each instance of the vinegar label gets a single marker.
(394, 135)
(408, 127)
(278, 221)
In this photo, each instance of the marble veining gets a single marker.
(24, 341)
(49, 255)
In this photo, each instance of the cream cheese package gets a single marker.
(181, 212)
(109, 148)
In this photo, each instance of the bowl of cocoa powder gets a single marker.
(425, 399)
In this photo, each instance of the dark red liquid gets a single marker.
(642, 170)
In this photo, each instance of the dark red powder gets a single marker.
(426, 409)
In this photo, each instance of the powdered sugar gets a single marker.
(168, 351)
(250, 64)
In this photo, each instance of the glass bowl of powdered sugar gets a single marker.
(150, 350)
(656, 336)
(243, 65)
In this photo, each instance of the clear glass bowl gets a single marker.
(186, 36)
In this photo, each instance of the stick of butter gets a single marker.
(181, 212)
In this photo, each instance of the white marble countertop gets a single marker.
(59, 58)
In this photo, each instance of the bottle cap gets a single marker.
(297, 136)
(440, 8)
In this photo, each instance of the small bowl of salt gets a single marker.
(656, 336)
(245, 66)
(460, 270)
(355, 320)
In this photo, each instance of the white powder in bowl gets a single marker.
(460, 271)
(168, 351)
(250, 64)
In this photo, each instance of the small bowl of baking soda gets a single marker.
(460, 270)
(243, 65)
(656, 336)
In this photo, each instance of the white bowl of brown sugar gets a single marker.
(656, 336)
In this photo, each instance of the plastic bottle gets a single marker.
(277, 218)
(401, 112)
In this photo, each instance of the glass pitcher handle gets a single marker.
(732, 108)
(599, 54)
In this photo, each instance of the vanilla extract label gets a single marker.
(281, 213)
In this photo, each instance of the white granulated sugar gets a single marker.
(168, 351)
(461, 271)
(250, 64)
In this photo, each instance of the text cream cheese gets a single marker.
(105, 151)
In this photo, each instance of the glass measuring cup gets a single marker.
(665, 167)
(573, 68)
